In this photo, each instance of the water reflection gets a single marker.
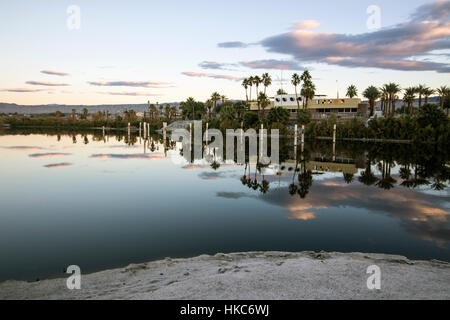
(389, 198)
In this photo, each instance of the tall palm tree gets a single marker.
(348, 177)
(306, 76)
(393, 90)
(266, 80)
(308, 91)
(443, 92)
(352, 91)
(209, 104)
(367, 177)
(409, 97)
(372, 94)
(295, 82)
(420, 91)
(250, 84)
(245, 85)
(263, 101)
(384, 98)
(214, 98)
(257, 82)
(426, 93)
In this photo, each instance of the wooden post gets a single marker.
(303, 134)
(334, 133)
(295, 134)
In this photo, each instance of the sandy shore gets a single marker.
(252, 275)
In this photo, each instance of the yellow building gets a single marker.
(320, 106)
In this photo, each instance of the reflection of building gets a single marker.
(320, 106)
(324, 164)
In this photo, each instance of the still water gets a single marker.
(107, 201)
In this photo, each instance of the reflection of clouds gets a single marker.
(209, 175)
(232, 195)
(48, 155)
(423, 215)
(147, 156)
(24, 148)
(57, 165)
(206, 166)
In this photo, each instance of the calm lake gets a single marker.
(101, 202)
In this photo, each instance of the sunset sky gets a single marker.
(166, 51)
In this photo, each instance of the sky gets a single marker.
(111, 52)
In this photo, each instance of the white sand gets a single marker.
(253, 275)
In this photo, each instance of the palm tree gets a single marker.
(245, 85)
(372, 94)
(256, 82)
(384, 98)
(348, 178)
(443, 92)
(352, 91)
(214, 98)
(308, 91)
(209, 104)
(281, 92)
(167, 112)
(367, 177)
(266, 80)
(392, 89)
(420, 90)
(85, 113)
(174, 112)
(386, 182)
(250, 84)
(426, 93)
(306, 76)
(263, 101)
(409, 97)
(153, 111)
(295, 82)
(224, 98)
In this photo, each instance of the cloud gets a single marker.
(211, 75)
(231, 195)
(148, 156)
(307, 24)
(273, 64)
(48, 155)
(396, 47)
(142, 84)
(55, 73)
(215, 65)
(57, 165)
(232, 44)
(437, 10)
(23, 148)
(48, 84)
(136, 94)
(421, 214)
(208, 175)
(21, 90)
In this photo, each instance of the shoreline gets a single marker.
(252, 276)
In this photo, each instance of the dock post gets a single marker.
(334, 133)
(303, 134)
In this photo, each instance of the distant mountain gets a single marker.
(7, 108)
